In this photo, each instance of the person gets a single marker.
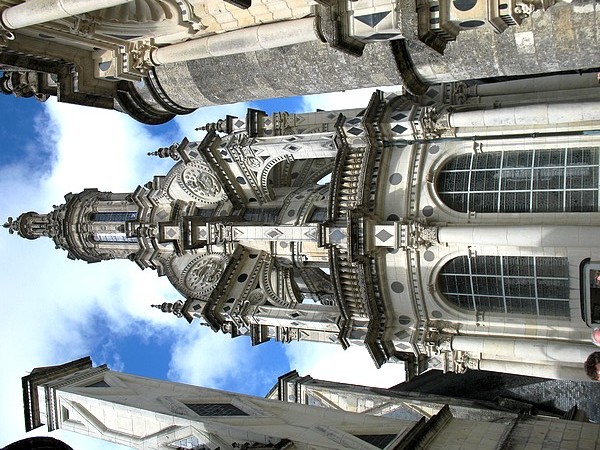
(596, 336)
(592, 366)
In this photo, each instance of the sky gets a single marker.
(55, 310)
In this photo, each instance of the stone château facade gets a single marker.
(157, 58)
(457, 231)
(149, 414)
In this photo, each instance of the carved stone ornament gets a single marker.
(202, 274)
(443, 343)
(422, 235)
(140, 56)
(464, 361)
(199, 181)
(84, 25)
(289, 334)
(435, 122)
(526, 8)
(257, 297)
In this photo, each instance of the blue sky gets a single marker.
(55, 309)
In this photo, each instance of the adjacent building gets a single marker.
(154, 59)
(457, 230)
(144, 413)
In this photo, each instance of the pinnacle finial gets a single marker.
(11, 225)
(168, 307)
(218, 126)
(167, 152)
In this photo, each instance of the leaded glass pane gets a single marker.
(484, 180)
(483, 265)
(517, 266)
(582, 156)
(456, 284)
(517, 159)
(518, 305)
(516, 179)
(488, 161)
(550, 158)
(458, 201)
(519, 287)
(552, 267)
(582, 177)
(548, 201)
(548, 178)
(515, 201)
(458, 265)
(483, 202)
(582, 201)
(460, 162)
(485, 285)
(490, 304)
(552, 288)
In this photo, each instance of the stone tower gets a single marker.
(154, 59)
(457, 230)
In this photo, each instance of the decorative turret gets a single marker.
(32, 225)
(91, 225)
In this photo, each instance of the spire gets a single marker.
(174, 308)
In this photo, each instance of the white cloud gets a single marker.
(332, 363)
(358, 98)
(195, 361)
(50, 301)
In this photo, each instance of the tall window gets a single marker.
(121, 216)
(114, 237)
(556, 180)
(508, 284)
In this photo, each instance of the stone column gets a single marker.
(547, 114)
(535, 370)
(272, 35)
(535, 351)
(33, 12)
(520, 235)
(539, 84)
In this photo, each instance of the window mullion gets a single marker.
(564, 205)
(502, 282)
(469, 186)
(537, 303)
(500, 180)
(471, 282)
(531, 182)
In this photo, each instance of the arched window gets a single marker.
(555, 180)
(508, 284)
(120, 216)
